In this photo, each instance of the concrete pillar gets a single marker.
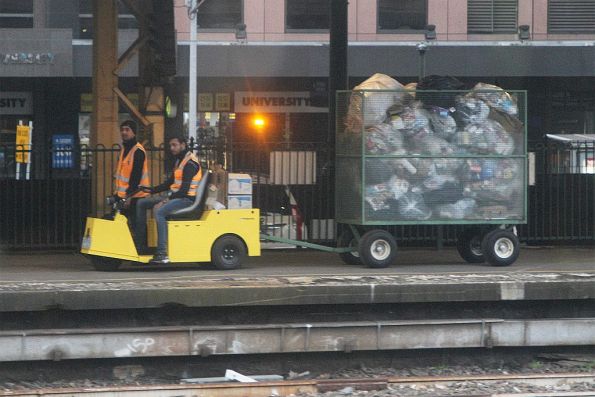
(104, 119)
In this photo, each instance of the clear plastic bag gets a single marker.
(460, 210)
(496, 98)
(443, 125)
(487, 137)
(470, 110)
(411, 206)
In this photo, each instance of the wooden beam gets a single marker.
(131, 108)
(129, 53)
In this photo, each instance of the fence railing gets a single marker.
(292, 185)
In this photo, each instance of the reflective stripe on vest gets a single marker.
(178, 173)
(124, 170)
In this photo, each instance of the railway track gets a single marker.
(558, 385)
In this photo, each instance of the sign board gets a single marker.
(23, 144)
(20, 103)
(275, 102)
(27, 58)
(205, 102)
(62, 146)
(222, 102)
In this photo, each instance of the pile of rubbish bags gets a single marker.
(417, 138)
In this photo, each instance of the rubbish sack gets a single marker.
(448, 192)
(461, 209)
(409, 118)
(486, 137)
(432, 145)
(496, 98)
(378, 171)
(411, 206)
(448, 166)
(436, 83)
(377, 196)
(443, 125)
(508, 122)
(470, 110)
(404, 168)
(384, 139)
(398, 187)
(388, 212)
(369, 108)
(377, 139)
(496, 182)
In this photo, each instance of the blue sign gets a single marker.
(62, 146)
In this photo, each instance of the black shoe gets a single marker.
(160, 259)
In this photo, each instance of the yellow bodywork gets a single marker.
(188, 241)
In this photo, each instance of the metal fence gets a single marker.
(292, 185)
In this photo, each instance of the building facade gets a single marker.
(279, 49)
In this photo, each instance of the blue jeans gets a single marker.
(140, 229)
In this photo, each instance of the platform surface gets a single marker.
(31, 282)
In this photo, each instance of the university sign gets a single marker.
(275, 102)
(19, 103)
(27, 58)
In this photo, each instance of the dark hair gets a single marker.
(130, 124)
(180, 139)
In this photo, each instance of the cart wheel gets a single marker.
(103, 264)
(346, 239)
(377, 248)
(228, 252)
(500, 247)
(469, 245)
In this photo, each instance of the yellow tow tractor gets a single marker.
(222, 237)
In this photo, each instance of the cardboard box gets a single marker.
(239, 201)
(239, 184)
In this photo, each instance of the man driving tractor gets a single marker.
(181, 187)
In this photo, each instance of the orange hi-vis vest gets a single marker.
(179, 172)
(125, 169)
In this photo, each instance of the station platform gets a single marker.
(42, 281)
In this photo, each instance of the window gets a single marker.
(492, 16)
(402, 15)
(125, 19)
(571, 16)
(307, 15)
(220, 14)
(16, 14)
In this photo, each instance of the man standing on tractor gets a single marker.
(132, 170)
(181, 187)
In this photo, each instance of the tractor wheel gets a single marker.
(228, 253)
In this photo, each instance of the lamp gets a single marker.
(524, 32)
(430, 32)
(241, 31)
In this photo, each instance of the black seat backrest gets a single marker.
(195, 210)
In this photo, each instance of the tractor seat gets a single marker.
(194, 211)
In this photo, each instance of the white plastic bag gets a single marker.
(369, 108)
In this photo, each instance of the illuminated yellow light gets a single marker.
(259, 122)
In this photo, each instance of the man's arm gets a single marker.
(137, 172)
(190, 169)
(164, 186)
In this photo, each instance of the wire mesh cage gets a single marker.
(431, 157)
